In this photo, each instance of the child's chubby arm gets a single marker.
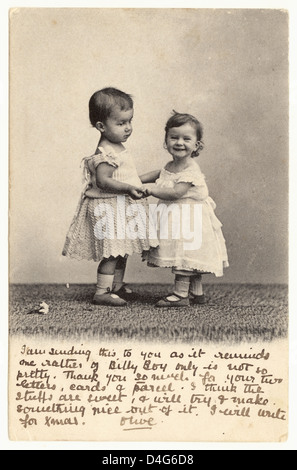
(170, 194)
(105, 181)
(150, 177)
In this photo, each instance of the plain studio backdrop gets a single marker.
(227, 67)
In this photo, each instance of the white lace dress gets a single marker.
(189, 233)
(108, 224)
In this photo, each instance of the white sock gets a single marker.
(104, 283)
(181, 288)
(196, 285)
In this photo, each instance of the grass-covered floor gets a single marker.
(233, 313)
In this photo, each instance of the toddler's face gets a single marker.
(182, 141)
(118, 126)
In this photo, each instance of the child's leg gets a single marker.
(196, 289)
(119, 274)
(119, 286)
(107, 266)
(105, 277)
(180, 295)
(181, 285)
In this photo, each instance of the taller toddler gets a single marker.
(103, 227)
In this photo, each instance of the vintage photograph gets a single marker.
(149, 188)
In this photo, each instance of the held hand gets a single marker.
(135, 193)
(146, 190)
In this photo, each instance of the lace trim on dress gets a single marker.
(188, 177)
(185, 176)
(198, 267)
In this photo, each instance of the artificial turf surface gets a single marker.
(233, 313)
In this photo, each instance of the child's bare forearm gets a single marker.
(105, 181)
(111, 185)
(174, 193)
(150, 177)
(164, 193)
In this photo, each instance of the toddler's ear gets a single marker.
(99, 126)
(199, 147)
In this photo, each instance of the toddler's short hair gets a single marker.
(179, 119)
(103, 101)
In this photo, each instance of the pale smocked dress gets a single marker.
(195, 242)
(107, 224)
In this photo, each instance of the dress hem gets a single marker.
(164, 264)
(105, 255)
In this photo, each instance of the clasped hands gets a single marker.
(140, 193)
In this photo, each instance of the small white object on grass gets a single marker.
(67, 285)
(44, 308)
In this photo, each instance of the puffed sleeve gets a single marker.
(90, 164)
(196, 178)
(105, 156)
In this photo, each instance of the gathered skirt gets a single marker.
(190, 237)
(109, 227)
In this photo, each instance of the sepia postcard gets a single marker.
(121, 328)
